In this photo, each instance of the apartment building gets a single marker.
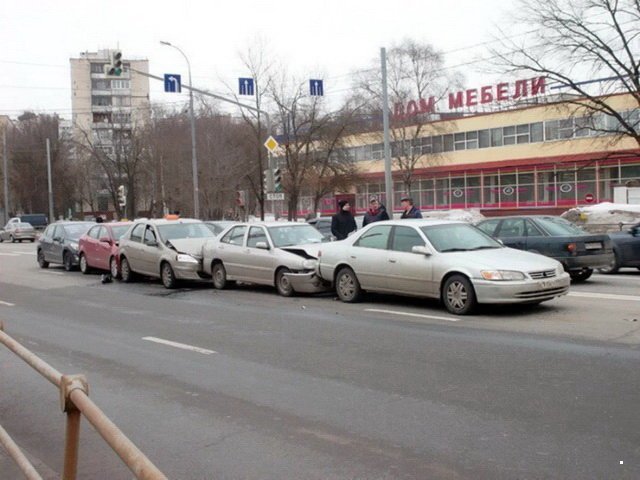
(106, 110)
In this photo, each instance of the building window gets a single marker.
(121, 118)
(496, 137)
(100, 100)
(120, 84)
(485, 138)
(472, 140)
(509, 135)
(100, 84)
(97, 67)
(459, 141)
(536, 132)
(448, 143)
(124, 101)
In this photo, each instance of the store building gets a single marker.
(542, 158)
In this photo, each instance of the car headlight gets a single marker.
(559, 270)
(184, 258)
(502, 275)
(309, 264)
(74, 245)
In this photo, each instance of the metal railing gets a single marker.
(75, 402)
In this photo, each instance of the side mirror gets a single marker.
(105, 240)
(262, 245)
(421, 249)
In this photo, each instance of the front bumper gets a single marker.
(186, 271)
(580, 262)
(307, 282)
(524, 291)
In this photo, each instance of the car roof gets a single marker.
(274, 223)
(520, 216)
(73, 222)
(164, 221)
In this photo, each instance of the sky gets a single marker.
(328, 39)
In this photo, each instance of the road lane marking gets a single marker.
(7, 304)
(23, 253)
(9, 254)
(408, 314)
(184, 346)
(605, 296)
(53, 273)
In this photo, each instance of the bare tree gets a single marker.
(416, 80)
(573, 42)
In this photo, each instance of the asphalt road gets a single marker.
(312, 388)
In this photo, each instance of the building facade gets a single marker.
(106, 110)
(544, 158)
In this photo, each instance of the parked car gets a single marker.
(217, 226)
(59, 244)
(323, 225)
(578, 251)
(452, 261)
(39, 221)
(16, 232)
(98, 248)
(167, 249)
(626, 250)
(278, 254)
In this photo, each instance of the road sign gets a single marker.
(316, 88)
(271, 144)
(245, 86)
(275, 196)
(589, 198)
(172, 83)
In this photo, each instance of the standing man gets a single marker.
(376, 212)
(343, 223)
(408, 208)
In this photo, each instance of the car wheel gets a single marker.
(458, 295)
(41, 261)
(113, 268)
(126, 274)
(283, 284)
(13, 240)
(67, 261)
(348, 286)
(580, 275)
(219, 276)
(167, 276)
(613, 267)
(84, 266)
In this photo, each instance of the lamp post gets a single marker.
(194, 158)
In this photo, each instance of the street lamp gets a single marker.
(194, 158)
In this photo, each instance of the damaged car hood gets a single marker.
(190, 246)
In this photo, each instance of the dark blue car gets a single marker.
(578, 251)
(626, 250)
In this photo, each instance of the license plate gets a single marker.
(548, 283)
(593, 245)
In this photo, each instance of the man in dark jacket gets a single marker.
(376, 212)
(408, 209)
(343, 223)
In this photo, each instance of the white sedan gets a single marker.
(453, 261)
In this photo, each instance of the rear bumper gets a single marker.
(307, 282)
(524, 291)
(24, 236)
(580, 262)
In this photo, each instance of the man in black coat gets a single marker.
(376, 212)
(409, 210)
(343, 223)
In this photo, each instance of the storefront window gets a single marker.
(491, 190)
(473, 192)
(526, 189)
(546, 188)
(442, 193)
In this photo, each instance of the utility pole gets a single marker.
(5, 174)
(51, 217)
(388, 181)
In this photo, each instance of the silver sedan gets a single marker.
(279, 254)
(16, 232)
(452, 261)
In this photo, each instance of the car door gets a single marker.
(57, 244)
(150, 251)
(258, 264)
(46, 240)
(89, 245)
(132, 247)
(409, 272)
(512, 233)
(230, 251)
(369, 256)
(537, 241)
(102, 249)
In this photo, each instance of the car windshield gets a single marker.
(559, 226)
(288, 235)
(74, 232)
(177, 231)
(119, 231)
(458, 237)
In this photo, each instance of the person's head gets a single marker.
(406, 203)
(374, 204)
(344, 205)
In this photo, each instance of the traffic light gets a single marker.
(114, 67)
(268, 180)
(277, 180)
(122, 196)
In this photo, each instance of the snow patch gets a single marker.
(604, 217)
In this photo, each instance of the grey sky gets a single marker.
(328, 39)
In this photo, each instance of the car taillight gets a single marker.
(572, 247)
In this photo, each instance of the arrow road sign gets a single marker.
(316, 88)
(245, 86)
(172, 83)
